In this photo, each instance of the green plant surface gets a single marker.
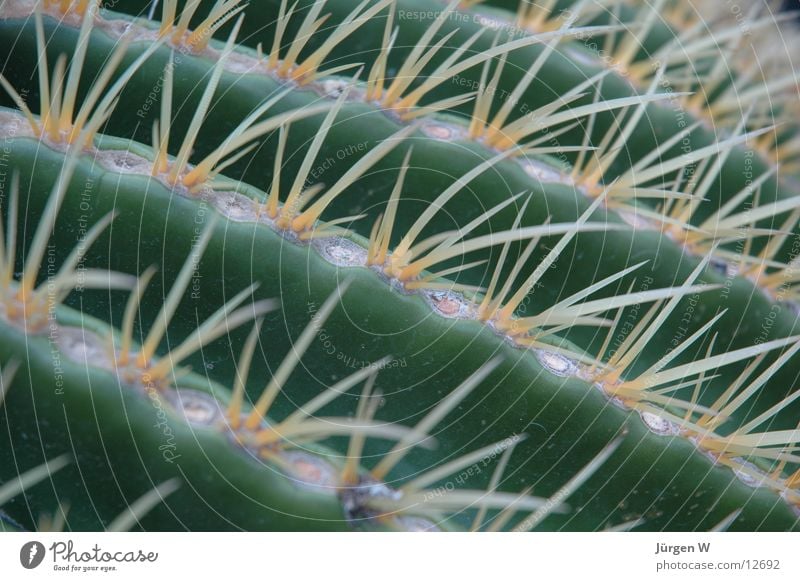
(444, 331)
(692, 41)
(542, 399)
(566, 68)
(668, 263)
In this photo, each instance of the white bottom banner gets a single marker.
(387, 556)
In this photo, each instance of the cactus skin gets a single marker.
(669, 264)
(268, 494)
(563, 71)
(371, 300)
(574, 404)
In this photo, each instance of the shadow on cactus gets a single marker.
(473, 273)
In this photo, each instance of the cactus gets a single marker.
(388, 266)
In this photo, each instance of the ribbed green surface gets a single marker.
(662, 479)
(567, 420)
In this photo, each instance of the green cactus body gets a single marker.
(668, 263)
(642, 395)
